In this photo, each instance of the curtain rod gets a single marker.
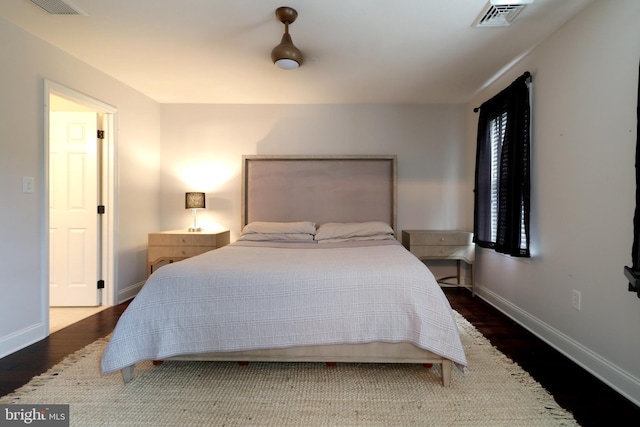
(527, 77)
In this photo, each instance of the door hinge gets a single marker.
(100, 284)
(100, 209)
(100, 134)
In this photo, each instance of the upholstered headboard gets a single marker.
(319, 188)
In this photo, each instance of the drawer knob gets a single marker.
(441, 251)
(442, 239)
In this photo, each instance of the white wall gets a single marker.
(428, 140)
(585, 85)
(26, 62)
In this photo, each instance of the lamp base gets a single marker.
(192, 229)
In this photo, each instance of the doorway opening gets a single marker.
(79, 151)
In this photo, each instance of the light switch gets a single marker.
(27, 184)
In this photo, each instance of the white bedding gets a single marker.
(255, 296)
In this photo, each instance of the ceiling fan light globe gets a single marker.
(287, 64)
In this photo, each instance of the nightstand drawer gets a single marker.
(156, 252)
(453, 252)
(439, 238)
(193, 239)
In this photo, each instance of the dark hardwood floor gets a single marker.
(17, 368)
(592, 402)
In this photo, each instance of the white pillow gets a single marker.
(275, 237)
(370, 230)
(355, 239)
(299, 227)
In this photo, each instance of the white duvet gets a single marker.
(245, 297)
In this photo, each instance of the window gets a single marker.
(497, 128)
(502, 184)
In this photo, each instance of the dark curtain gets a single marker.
(634, 275)
(512, 105)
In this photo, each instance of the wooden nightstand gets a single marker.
(442, 245)
(176, 245)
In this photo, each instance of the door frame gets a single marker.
(108, 189)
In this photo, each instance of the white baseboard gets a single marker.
(25, 337)
(609, 373)
(22, 338)
(129, 292)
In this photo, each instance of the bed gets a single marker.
(316, 275)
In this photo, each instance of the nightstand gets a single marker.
(176, 245)
(442, 245)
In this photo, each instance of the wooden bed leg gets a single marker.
(428, 365)
(157, 362)
(127, 373)
(446, 372)
(332, 364)
(243, 363)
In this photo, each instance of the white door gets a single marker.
(74, 248)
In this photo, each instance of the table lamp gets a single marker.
(194, 201)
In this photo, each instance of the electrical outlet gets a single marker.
(575, 299)
(27, 184)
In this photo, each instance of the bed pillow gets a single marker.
(264, 227)
(356, 239)
(275, 237)
(262, 231)
(332, 232)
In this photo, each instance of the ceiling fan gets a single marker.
(286, 55)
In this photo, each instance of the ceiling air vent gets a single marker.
(499, 13)
(59, 7)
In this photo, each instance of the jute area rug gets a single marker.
(493, 392)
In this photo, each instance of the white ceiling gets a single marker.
(356, 51)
